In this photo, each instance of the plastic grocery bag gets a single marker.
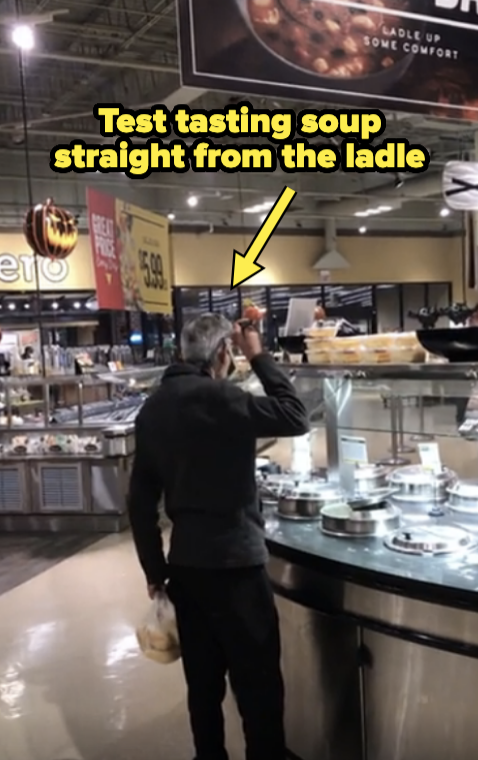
(158, 635)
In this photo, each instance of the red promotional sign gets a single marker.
(102, 222)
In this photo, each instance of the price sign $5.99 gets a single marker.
(151, 265)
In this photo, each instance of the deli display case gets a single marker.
(67, 447)
(372, 529)
(66, 466)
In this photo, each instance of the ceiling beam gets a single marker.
(180, 96)
(116, 63)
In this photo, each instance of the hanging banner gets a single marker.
(143, 250)
(102, 224)
(405, 55)
(131, 256)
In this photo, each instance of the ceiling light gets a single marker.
(171, 216)
(23, 37)
(263, 218)
(77, 305)
(259, 208)
(362, 230)
(373, 211)
(192, 201)
(54, 305)
(445, 212)
(26, 306)
(12, 306)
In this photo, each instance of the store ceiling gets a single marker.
(126, 51)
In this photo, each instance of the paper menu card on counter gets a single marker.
(353, 454)
(430, 457)
(353, 450)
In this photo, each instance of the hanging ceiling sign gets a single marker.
(460, 185)
(405, 55)
(131, 256)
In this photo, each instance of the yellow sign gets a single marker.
(17, 267)
(144, 255)
(245, 266)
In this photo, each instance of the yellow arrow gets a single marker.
(245, 266)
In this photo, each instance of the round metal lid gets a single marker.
(312, 489)
(465, 489)
(430, 540)
(378, 498)
(346, 513)
(463, 496)
(415, 474)
(370, 472)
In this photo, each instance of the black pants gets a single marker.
(228, 625)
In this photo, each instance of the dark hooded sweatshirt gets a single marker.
(196, 447)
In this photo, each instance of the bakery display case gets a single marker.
(67, 467)
(372, 528)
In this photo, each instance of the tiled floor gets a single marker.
(73, 685)
(23, 556)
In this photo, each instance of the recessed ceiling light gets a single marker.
(362, 230)
(23, 37)
(374, 210)
(26, 306)
(259, 208)
(171, 216)
(445, 212)
(77, 305)
(193, 201)
(12, 306)
(55, 305)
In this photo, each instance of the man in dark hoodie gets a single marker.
(196, 447)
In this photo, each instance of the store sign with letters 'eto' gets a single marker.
(17, 267)
(131, 255)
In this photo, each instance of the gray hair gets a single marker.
(203, 337)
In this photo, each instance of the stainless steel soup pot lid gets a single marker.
(430, 540)
(341, 521)
(418, 475)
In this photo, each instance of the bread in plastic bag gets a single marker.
(158, 636)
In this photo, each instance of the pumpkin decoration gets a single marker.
(319, 314)
(252, 312)
(51, 231)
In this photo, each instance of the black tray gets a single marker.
(459, 344)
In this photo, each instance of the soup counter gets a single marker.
(380, 644)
